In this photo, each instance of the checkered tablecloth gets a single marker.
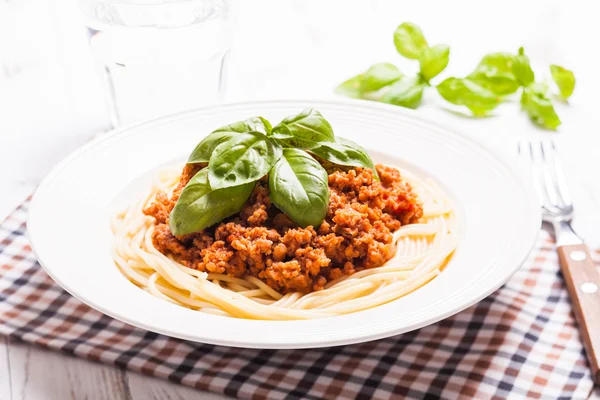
(519, 342)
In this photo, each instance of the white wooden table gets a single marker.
(51, 103)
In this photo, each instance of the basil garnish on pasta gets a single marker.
(205, 148)
(345, 152)
(257, 124)
(199, 206)
(241, 153)
(298, 187)
(304, 131)
(243, 158)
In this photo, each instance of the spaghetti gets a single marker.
(422, 250)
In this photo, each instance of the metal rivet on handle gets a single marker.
(589, 287)
(577, 255)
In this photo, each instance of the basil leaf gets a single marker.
(465, 92)
(244, 158)
(434, 60)
(535, 101)
(351, 87)
(495, 73)
(305, 130)
(378, 76)
(406, 92)
(564, 79)
(254, 124)
(205, 148)
(522, 68)
(409, 40)
(497, 62)
(345, 152)
(298, 186)
(500, 84)
(266, 126)
(199, 207)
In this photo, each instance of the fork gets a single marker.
(578, 270)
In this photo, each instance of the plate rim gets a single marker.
(534, 224)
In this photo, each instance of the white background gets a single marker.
(51, 103)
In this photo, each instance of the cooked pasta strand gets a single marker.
(422, 250)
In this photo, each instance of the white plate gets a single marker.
(69, 221)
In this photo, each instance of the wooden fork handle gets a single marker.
(583, 282)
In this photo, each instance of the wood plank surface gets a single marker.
(37, 373)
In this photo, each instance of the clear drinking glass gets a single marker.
(158, 56)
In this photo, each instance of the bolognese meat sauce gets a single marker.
(263, 242)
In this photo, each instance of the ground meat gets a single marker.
(263, 242)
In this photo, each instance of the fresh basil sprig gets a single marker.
(497, 75)
(385, 83)
(241, 153)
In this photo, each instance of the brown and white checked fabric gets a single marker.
(519, 342)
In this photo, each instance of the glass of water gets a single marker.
(158, 56)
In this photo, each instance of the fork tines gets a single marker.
(548, 174)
